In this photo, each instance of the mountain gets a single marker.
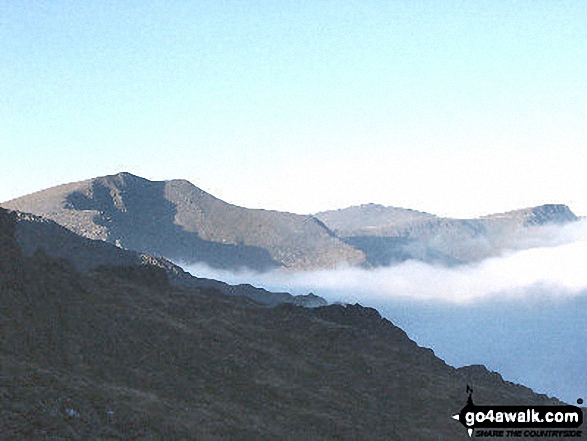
(388, 235)
(35, 234)
(177, 220)
(359, 219)
(180, 222)
(117, 352)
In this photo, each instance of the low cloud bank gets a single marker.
(520, 314)
(552, 263)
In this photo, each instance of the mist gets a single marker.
(521, 313)
(547, 263)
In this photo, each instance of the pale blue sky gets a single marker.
(454, 107)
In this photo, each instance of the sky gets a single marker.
(458, 108)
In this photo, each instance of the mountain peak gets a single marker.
(178, 220)
(121, 178)
(125, 175)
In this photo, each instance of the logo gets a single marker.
(519, 421)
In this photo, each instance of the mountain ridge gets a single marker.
(386, 239)
(179, 221)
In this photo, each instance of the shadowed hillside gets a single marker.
(119, 353)
(34, 233)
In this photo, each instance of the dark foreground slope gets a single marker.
(34, 233)
(119, 353)
(179, 221)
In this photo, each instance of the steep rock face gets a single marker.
(118, 353)
(177, 220)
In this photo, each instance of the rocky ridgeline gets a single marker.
(388, 235)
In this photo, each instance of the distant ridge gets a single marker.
(388, 235)
(347, 221)
(177, 220)
(543, 214)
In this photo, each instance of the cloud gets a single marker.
(520, 313)
(550, 262)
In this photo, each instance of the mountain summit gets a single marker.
(178, 220)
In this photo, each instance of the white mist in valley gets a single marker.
(522, 313)
(548, 263)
